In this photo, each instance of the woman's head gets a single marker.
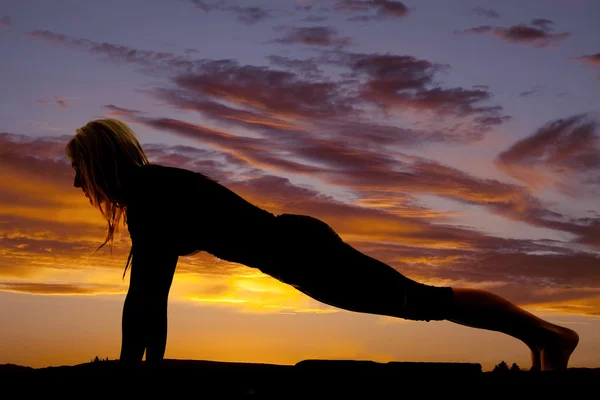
(102, 152)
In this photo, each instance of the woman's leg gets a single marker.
(551, 345)
(321, 265)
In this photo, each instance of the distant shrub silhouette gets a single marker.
(515, 368)
(98, 360)
(502, 367)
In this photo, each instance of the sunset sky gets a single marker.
(457, 141)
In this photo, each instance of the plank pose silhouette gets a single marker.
(171, 212)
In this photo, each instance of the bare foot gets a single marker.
(556, 347)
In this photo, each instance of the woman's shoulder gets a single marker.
(158, 170)
(158, 177)
(154, 171)
(154, 184)
(155, 193)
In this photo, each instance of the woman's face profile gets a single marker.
(78, 182)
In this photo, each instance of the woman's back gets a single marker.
(188, 212)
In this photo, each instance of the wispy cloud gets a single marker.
(405, 81)
(591, 60)
(312, 36)
(485, 12)
(6, 21)
(564, 153)
(364, 10)
(60, 288)
(116, 111)
(317, 100)
(246, 14)
(543, 23)
(533, 91)
(537, 33)
(60, 101)
(305, 67)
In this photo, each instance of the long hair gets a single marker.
(102, 151)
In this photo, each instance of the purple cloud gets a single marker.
(544, 24)
(556, 153)
(244, 14)
(313, 36)
(483, 12)
(376, 9)
(530, 92)
(388, 82)
(60, 101)
(538, 33)
(591, 59)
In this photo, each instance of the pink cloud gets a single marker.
(563, 153)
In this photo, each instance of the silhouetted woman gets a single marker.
(171, 212)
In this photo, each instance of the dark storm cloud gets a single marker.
(489, 13)
(312, 36)
(538, 33)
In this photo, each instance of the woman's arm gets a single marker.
(144, 325)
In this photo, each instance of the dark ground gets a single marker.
(310, 378)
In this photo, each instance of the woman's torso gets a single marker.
(187, 212)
